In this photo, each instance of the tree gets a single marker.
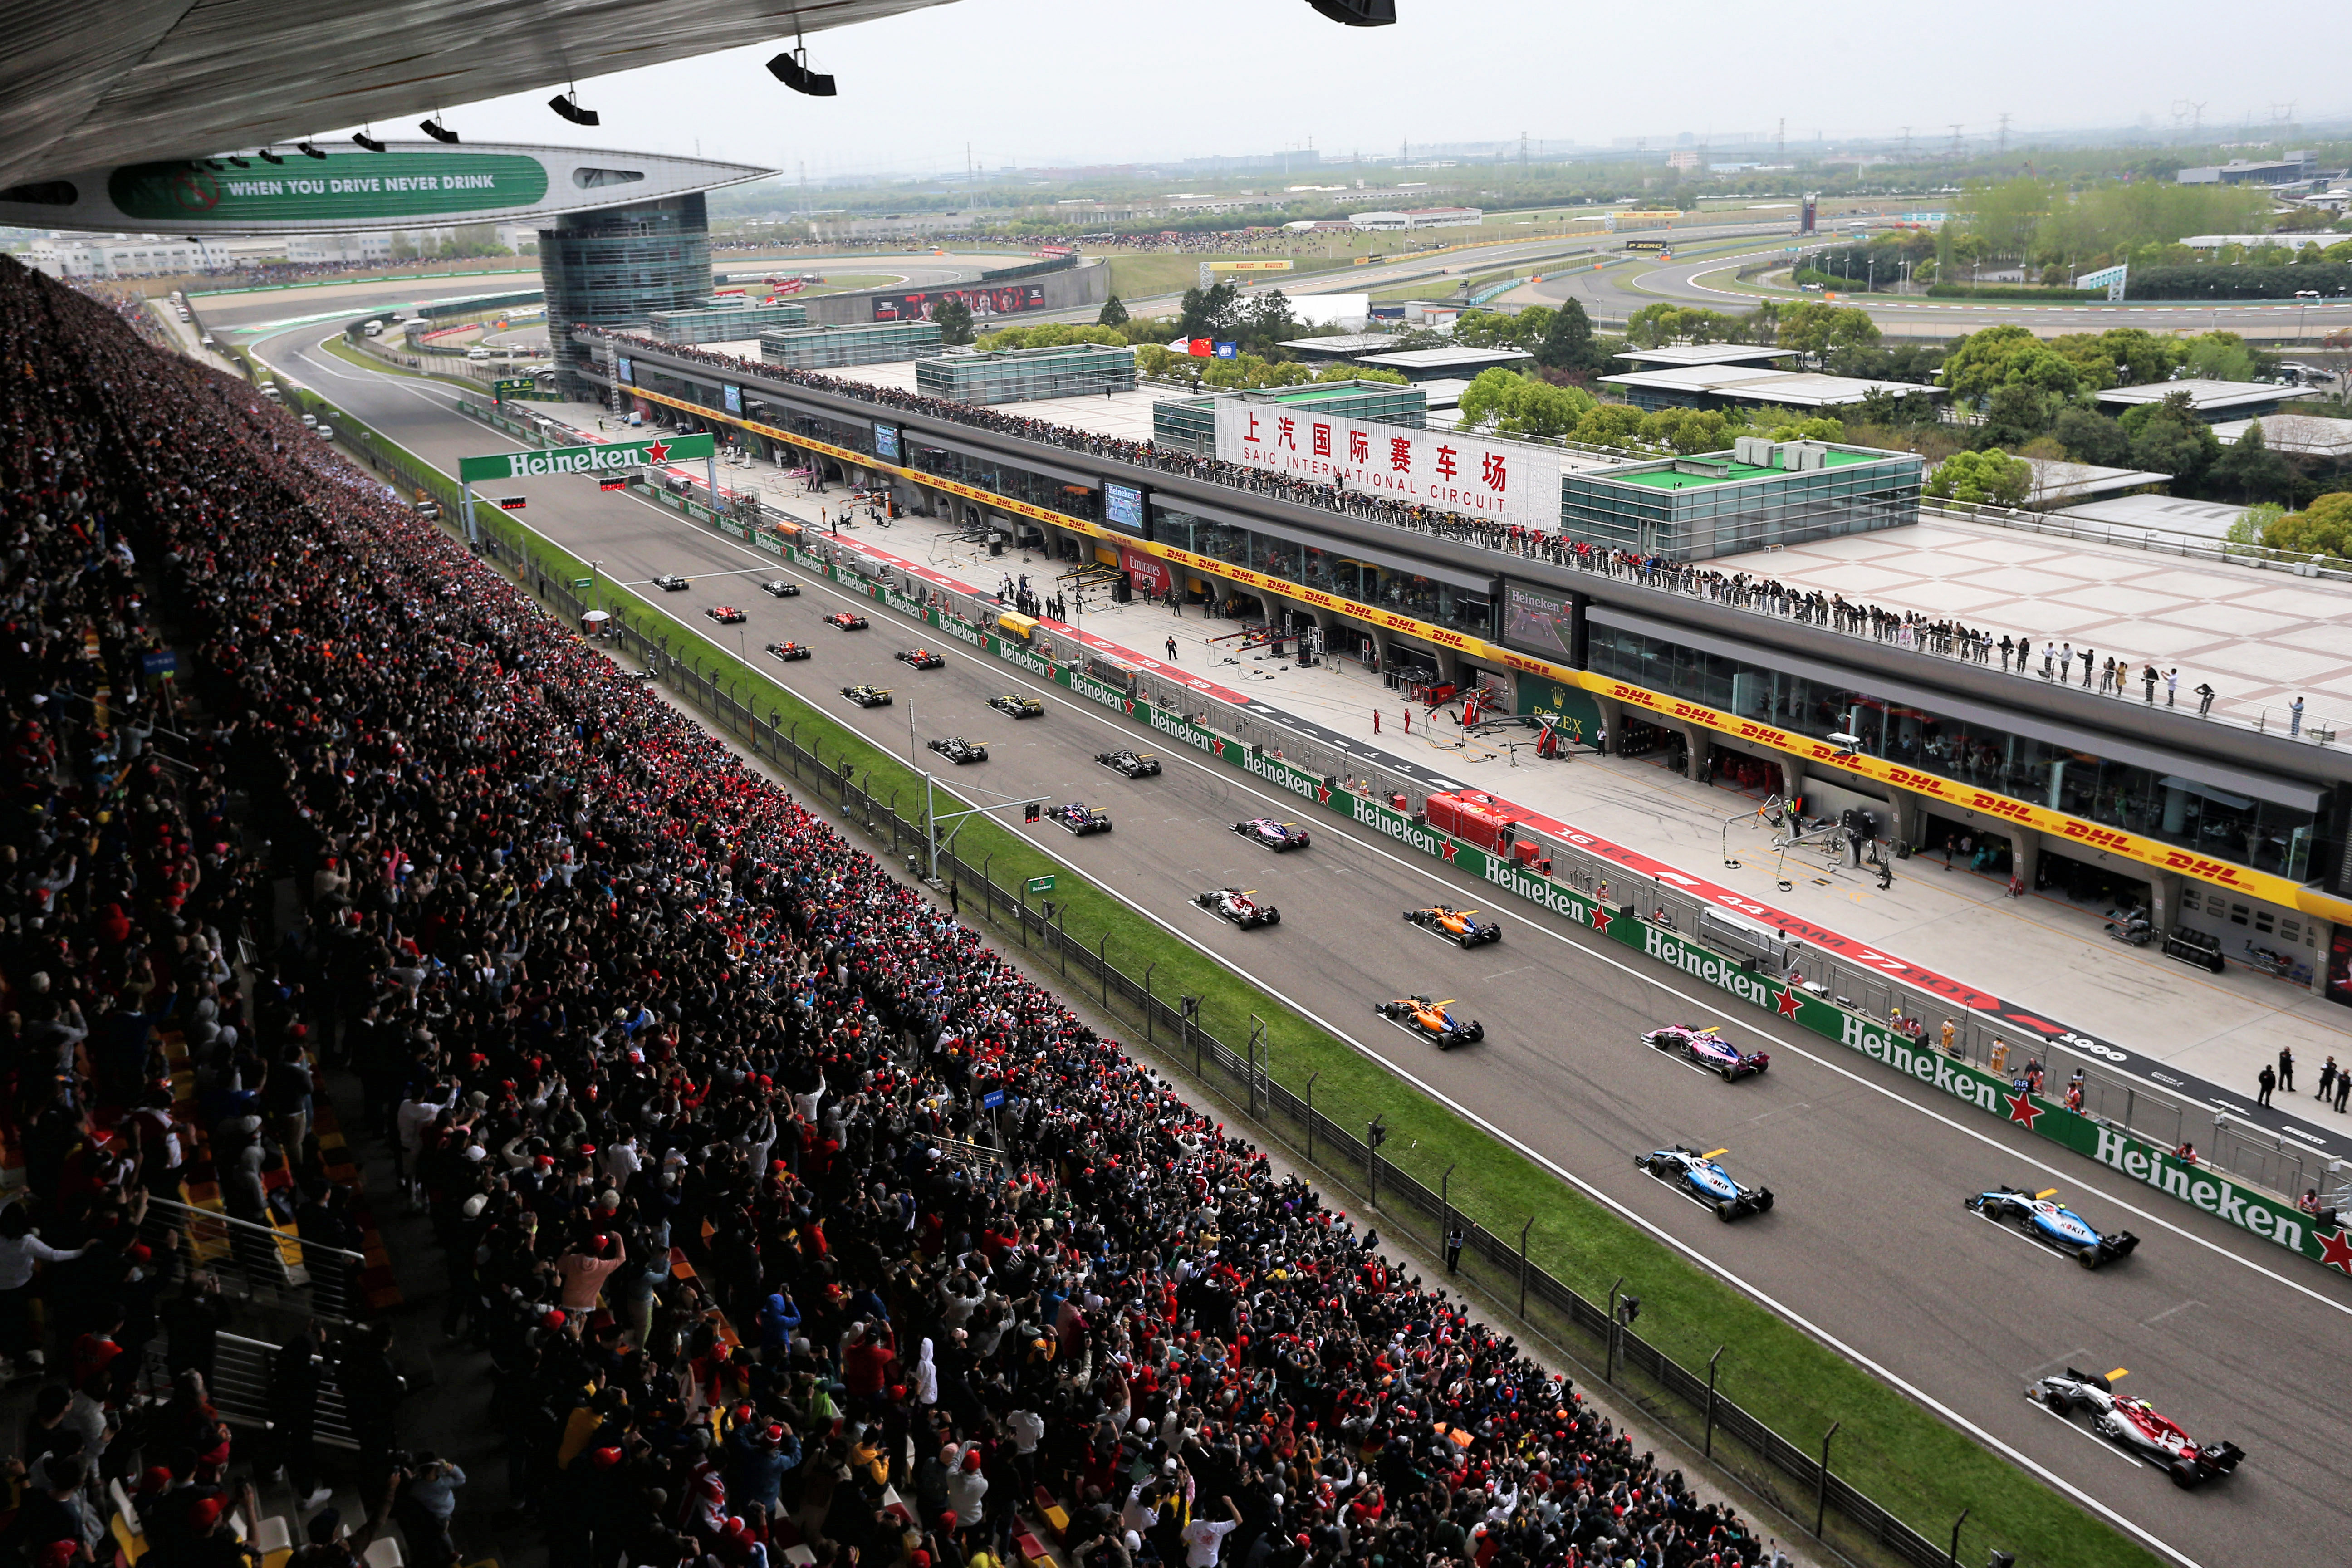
(1686, 430)
(1887, 411)
(1976, 477)
(2168, 438)
(2225, 357)
(1569, 345)
(1361, 373)
(2015, 414)
(953, 319)
(2252, 469)
(2323, 528)
(1981, 363)
(1814, 328)
(1514, 404)
(1611, 424)
(1208, 312)
(1114, 313)
(2093, 438)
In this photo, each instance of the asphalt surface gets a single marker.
(1868, 1246)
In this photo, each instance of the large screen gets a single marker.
(627, 372)
(886, 442)
(733, 396)
(1539, 622)
(1123, 506)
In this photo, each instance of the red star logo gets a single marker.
(1218, 747)
(1322, 795)
(1130, 705)
(1791, 1002)
(1450, 847)
(656, 450)
(2022, 1109)
(1600, 919)
(2335, 1251)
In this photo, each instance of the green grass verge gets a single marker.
(337, 349)
(1144, 277)
(1896, 1452)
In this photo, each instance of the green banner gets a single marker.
(2261, 1214)
(611, 458)
(341, 186)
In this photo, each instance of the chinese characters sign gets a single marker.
(1433, 468)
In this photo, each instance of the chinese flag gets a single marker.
(1199, 348)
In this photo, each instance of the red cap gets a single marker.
(554, 1319)
(606, 1458)
(205, 1512)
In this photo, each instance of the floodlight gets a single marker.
(1358, 12)
(237, 161)
(366, 141)
(567, 105)
(308, 151)
(438, 131)
(267, 156)
(791, 67)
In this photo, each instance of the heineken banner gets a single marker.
(2262, 1214)
(611, 458)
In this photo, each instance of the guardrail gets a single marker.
(265, 1265)
(237, 1383)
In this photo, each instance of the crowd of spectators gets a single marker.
(1907, 629)
(621, 1006)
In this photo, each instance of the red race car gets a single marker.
(725, 614)
(846, 621)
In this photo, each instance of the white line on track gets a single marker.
(2085, 1432)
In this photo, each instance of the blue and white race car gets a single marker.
(1708, 1049)
(2054, 1224)
(1275, 835)
(1698, 1178)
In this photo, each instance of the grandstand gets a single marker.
(312, 809)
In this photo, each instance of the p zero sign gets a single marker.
(610, 457)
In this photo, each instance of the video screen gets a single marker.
(1538, 622)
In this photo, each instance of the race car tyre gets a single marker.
(1659, 1041)
(2088, 1257)
(1445, 1043)
(1726, 1210)
(1201, 900)
(1728, 1074)
(2185, 1474)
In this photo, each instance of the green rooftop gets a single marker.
(1694, 473)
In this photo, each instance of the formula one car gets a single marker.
(1275, 835)
(1455, 925)
(1432, 1021)
(789, 651)
(920, 658)
(1019, 707)
(867, 696)
(673, 584)
(1698, 1177)
(781, 589)
(1710, 1049)
(2054, 1224)
(2134, 1425)
(846, 621)
(1130, 764)
(959, 751)
(1080, 818)
(725, 614)
(1240, 908)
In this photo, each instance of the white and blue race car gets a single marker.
(1707, 1049)
(1698, 1178)
(2054, 1224)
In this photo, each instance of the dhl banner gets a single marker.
(2057, 823)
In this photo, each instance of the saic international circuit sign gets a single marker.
(406, 185)
(609, 458)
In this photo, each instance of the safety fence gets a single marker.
(258, 1263)
(237, 1383)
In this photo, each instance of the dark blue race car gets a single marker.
(2054, 1224)
(1698, 1178)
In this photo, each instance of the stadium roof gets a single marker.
(1748, 384)
(2207, 397)
(160, 79)
(1702, 353)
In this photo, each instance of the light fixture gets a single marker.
(366, 141)
(439, 132)
(308, 151)
(267, 156)
(566, 105)
(1358, 12)
(791, 67)
(215, 163)
(237, 161)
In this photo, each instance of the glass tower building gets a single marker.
(616, 266)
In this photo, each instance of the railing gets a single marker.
(256, 1262)
(238, 1385)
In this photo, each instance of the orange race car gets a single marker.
(1432, 1021)
(1456, 926)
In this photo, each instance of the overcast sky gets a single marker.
(1040, 82)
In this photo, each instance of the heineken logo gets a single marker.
(597, 459)
(1792, 1003)
(2335, 1251)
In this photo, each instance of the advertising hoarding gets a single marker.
(1433, 468)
